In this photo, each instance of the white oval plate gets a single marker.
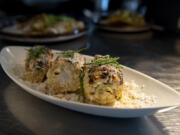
(13, 34)
(168, 98)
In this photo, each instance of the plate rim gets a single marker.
(123, 29)
(43, 38)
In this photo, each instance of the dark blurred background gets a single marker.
(164, 14)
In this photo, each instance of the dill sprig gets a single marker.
(105, 60)
(70, 53)
(35, 53)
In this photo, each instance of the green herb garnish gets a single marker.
(133, 97)
(106, 60)
(35, 53)
(81, 94)
(51, 20)
(70, 53)
(120, 96)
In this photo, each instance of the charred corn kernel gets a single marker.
(109, 89)
(133, 97)
(96, 77)
(57, 70)
(116, 78)
(98, 73)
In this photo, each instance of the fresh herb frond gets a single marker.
(35, 53)
(105, 60)
(81, 77)
(120, 96)
(70, 53)
(51, 20)
(80, 50)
